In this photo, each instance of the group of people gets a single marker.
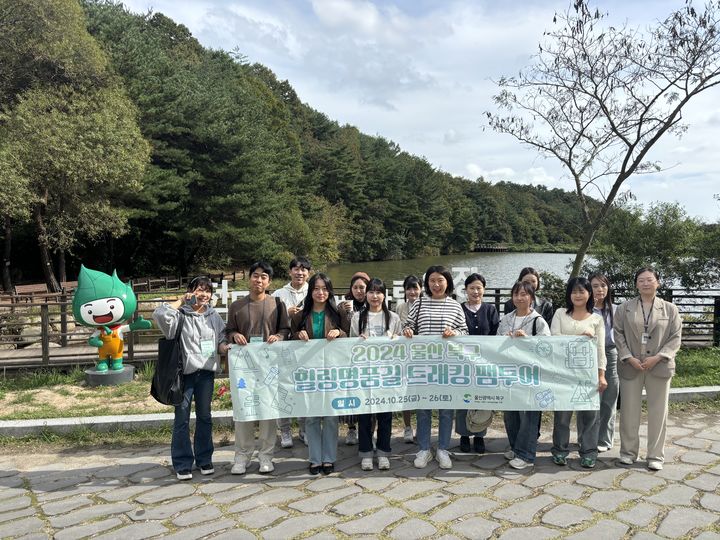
(636, 346)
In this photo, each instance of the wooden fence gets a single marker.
(43, 333)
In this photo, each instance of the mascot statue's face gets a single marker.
(103, 312)
(102, 300)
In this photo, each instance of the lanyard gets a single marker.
(646, 318)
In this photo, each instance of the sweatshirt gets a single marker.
(564, 325)
(291, 296)
(257, 319)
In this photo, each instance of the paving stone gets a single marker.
(268, 497)
(698, 458)
(124, 470)
(15, 504)
(88, 488)
(240, 492)
(609, 500)
(410, 489)
(601, 479)
(323, 536)
(317, 503)
(715, 448)
(462, 507)
(509, 492)
(11, 492)
(570, 492)
(55, 485)
(34, 536)
(136, 531)
(90, 512)
(710, 434)
(714, 470)
(644, 482)
(705, 482)
(21, 526)
(427, 503)
(297, 526)
(81, 531)
(565, 515)
(524, 511)
(219, 484)
(150, 475)
(680, 521)
(711, 502)
(377, 483)
(124, 493)
(413, 529)
(261, 517)
(476, 527)
(606, 529)
(379, 522)
(198, 516)
(692, 442)
(201, 531)
(166, 493)
(65, 505)
(541, 477)
(327, 483)
(473, 486)
(674, 495)
(490, 462)
(639, 515)
(529, 533)
(672, 431)
(235, 534)
(708, 535)
(161, 512)
(16, 514)
(677, 471)
(359, 504)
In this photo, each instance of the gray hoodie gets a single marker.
(198, 327)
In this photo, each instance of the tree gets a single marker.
(598, 97)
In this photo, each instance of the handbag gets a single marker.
(167, 383)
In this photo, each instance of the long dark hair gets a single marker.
(607, 308)
(578, 283)
(357, 306)
(330, 307)
(378, 285)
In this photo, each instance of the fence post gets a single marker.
(45, 334)
(497, 300)
(716, 322)
(63, 320)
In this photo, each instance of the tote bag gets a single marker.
(167, 384)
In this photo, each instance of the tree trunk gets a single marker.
(7, 251)
(582, 250)
(62, 274)
(45, 259)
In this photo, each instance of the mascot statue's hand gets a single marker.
(140, 324)
(95, 342)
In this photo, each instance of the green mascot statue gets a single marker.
(105, 303)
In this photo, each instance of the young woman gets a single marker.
(482, 320)
(542, 306)
(648, 332)
(603, 306)
(320, 319)
(354, 302)
(413, 289)
(435, 314)
(203, 338)
(522, 426)
(578, 319)
(375, 321)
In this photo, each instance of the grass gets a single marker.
(697, 367)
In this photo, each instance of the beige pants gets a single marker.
(658, 390)
(245, 439)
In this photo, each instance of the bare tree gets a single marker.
(599, 97)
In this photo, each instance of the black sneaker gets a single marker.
(479, 445)
(464, 444)
(184, 475)
(207, 469)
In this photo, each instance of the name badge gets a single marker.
(256, 339)
(207, 347)
(644, 338)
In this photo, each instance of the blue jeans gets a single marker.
(200, 385)
(322, 435)
(424, 425)
(522, 433)
(461, 425)
(608, 400)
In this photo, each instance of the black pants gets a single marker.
(384, 431)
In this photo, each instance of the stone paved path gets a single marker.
(131, 494)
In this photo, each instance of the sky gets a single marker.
(421, 73)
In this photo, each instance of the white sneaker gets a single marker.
(408, 435)
(352, 438)
(422, 458)
(444, 459)
(366, 464)
(602, 448)
(286, 438)
(509, 455)
(383, 463)
(655, 465)
(626, 460)
(184, 475)
(266, 465)
(240, 466)
(519, 463)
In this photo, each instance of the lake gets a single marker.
(499, 269)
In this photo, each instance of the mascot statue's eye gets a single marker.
(112, 307)
(89, 311)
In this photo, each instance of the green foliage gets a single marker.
(697, 367)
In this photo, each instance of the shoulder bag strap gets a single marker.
(181, 323)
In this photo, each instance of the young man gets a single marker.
(257, 317)
(293, 295)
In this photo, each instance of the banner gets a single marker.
(290, 379)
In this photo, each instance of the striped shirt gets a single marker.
(435, 316)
